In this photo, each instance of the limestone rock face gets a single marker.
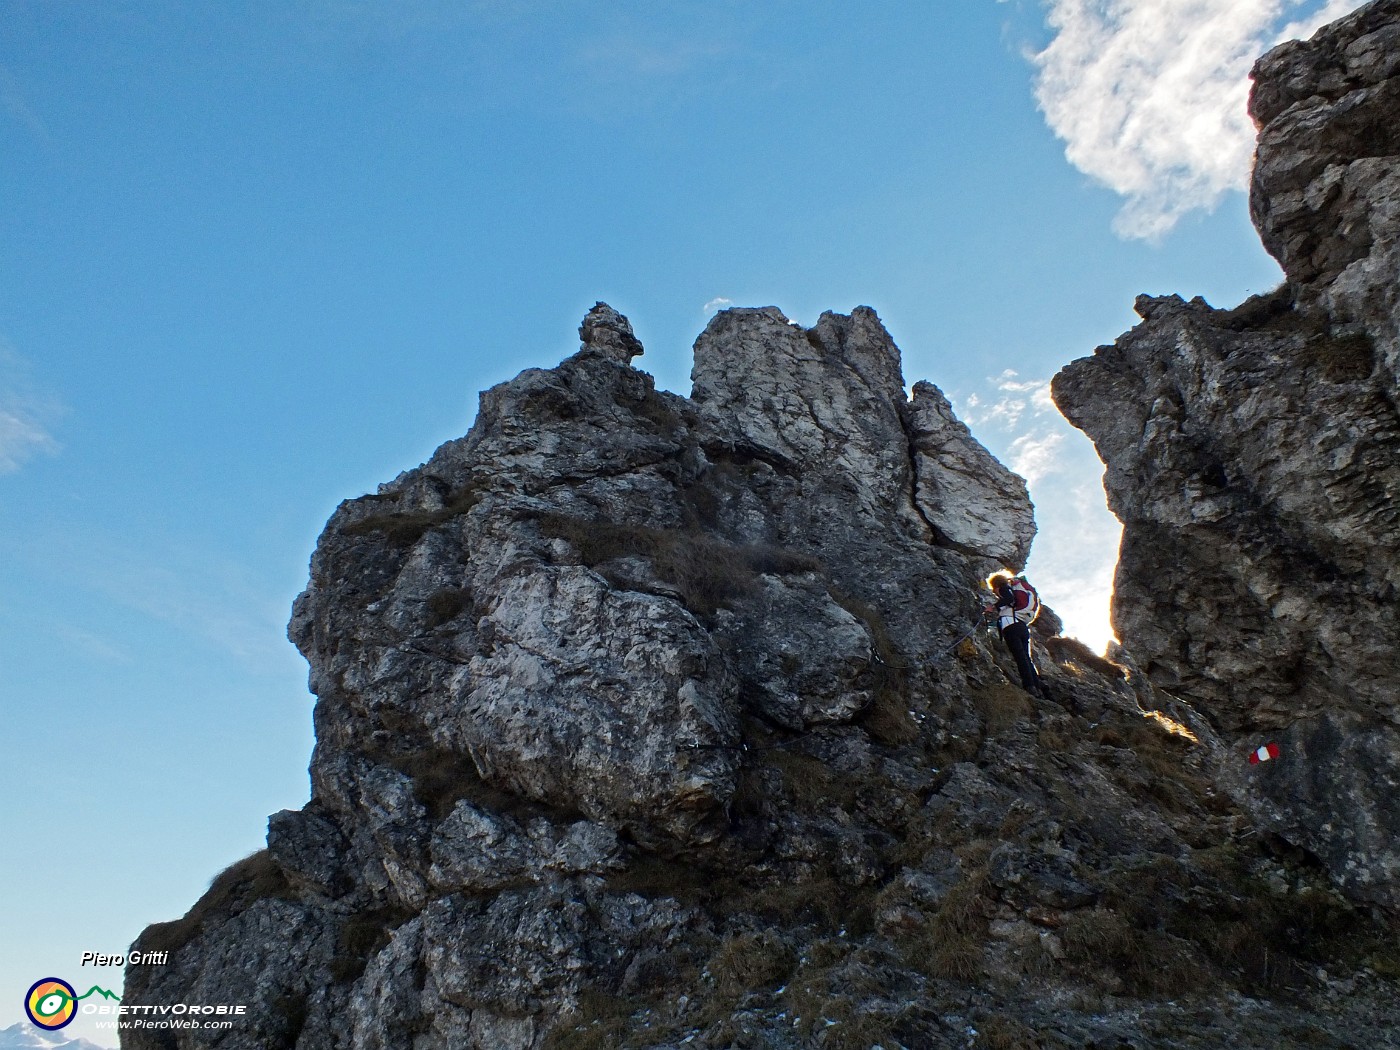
(1253, 456)
(576, 602)
(964, 498)
(1326, 187)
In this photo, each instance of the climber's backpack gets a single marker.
(1024, 600)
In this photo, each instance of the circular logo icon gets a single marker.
(51, 1003)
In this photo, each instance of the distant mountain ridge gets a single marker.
(25, 1036)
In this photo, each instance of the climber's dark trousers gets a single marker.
(1018, 640)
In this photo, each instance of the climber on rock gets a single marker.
(1016, 607)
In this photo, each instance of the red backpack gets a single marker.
(1025, 601)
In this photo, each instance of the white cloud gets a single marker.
(718, 303)
(21, 437)
(215, 599)
(92, 645)
(1307, 26)
(1014, 398)
(13, 102)
(1150, 96)
(227, 603)
(26, 415)
(1033, 456)
(634, 51)
(1074, 560)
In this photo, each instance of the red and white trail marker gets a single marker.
(1263, 754)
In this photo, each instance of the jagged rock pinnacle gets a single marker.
(607, 332)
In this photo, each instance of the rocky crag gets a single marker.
(652, 721)
(1253, 456)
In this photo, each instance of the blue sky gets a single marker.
(258, 258)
